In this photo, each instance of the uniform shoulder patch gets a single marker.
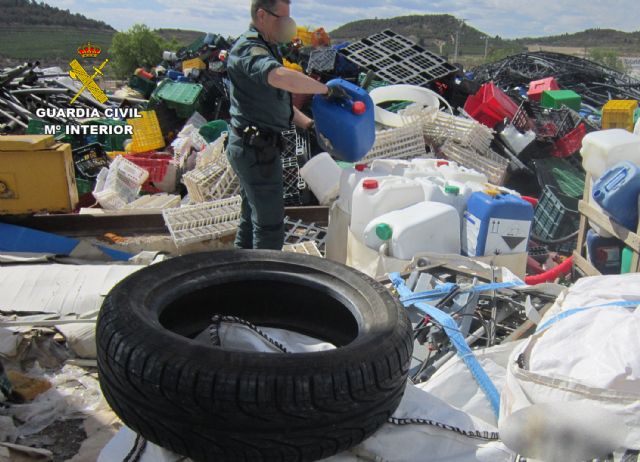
(258, 51)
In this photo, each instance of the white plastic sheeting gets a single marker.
(438, 432)
(590, 358)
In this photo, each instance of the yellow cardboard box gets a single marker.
(36, 175)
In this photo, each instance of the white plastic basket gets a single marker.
(115, 188)
(398, 143)
(493, 165)
(213, 153)
(201, 222)
(211, 182)
(155, 202)
(440, 127)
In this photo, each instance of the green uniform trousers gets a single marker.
(262, 218)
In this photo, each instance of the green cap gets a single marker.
(450, 189)
(384, 231)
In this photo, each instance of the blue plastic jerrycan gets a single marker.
(617, 193)
(346, 129)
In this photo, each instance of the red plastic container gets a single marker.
(490, 105)
(156, 164)
(537, 87)
(570, 143)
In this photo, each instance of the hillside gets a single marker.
(183, 37)
(436, 32)
(431, 31)
(624, 42)
(31, 31)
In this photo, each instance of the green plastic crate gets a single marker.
(555, 99)
(184, 98)
(560, 174)
(111, 142)
(142, 85)
(36, 127)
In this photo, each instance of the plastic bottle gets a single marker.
(604, 149)
(322, 174)
(415, 229)
(617, 192)
(376, 196)
(345, 128)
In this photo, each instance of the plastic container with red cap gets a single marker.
(345, 128)
(376, 196)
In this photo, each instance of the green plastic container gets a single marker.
(211, 131)
(555, 99)
(111, 142)
(142, 85)
(83, 186)
(627, 256)
(184, 98)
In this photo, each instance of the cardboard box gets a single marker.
(36, 175)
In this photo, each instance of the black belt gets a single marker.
(249, 134)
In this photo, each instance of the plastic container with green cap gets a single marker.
(446, 192)
(419, 228)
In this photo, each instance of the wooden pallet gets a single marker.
(589, 213)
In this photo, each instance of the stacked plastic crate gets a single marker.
(295, 152)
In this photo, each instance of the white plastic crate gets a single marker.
(115, 189)
(201, 222)
(398, 143)
(211, 182)
(155, 202)
(440, 127)
(128, 172)
(213, 153)
(493, 165)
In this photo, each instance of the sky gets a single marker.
(506, 18)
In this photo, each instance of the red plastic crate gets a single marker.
(490, 105)
(156, 164)
(537, 87)
(570, 143)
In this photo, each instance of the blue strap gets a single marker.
(567, 313)
(444, 289)
(453, 332)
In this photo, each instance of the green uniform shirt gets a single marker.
(253, 100)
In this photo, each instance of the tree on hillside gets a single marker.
(137, 47)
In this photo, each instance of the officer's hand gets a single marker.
(337, 93)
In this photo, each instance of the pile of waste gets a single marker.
(481, 195)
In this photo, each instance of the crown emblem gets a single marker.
(89, 51)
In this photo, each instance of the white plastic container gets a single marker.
(390, 166)
(636, 131)
(419, 228)
(460, 174)
(602, 150)
(420, 168)
(322, 174)
(451, 193)
(349, 179)
(376, 196)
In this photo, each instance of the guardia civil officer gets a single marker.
(261, 109)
